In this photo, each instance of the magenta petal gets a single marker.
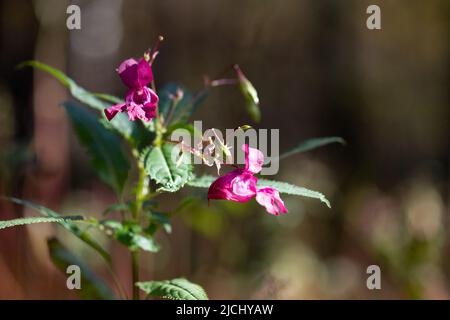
(254, 159)
(141, 103)
(111, 112)
(153, 97)
(135, 74)
(150, 111)
(270, 199)
(135, 111)
(144, 73)
(128, 72)
(238, 185)
(141, 96)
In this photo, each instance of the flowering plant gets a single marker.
(144, 122)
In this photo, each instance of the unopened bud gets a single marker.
(250, 94)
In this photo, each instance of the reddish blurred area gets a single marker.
(319, 72)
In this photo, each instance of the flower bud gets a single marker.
(250, 94)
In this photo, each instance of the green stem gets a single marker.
(141, 193)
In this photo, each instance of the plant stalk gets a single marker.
(135, 273)
(141, 193)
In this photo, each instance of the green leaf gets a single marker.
(117, 207)
(30, 220)
(282, 187)
(92, 287)
(107, 156)
(176, 289)
(67, 224)
(128, 233)
(77, 91)
(138, 134)
(133, 131)
(158, 219)
(288, 188)
(311, 144)
(164, 166)
(179, 125)
(108, 98)
(146, 243)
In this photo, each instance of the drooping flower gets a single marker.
(239, 185)
(140, 101)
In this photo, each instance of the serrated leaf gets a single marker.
(31, 220)
(311, 144)
(104, 148)
(67, 224)
(92, 287)
(288, 188)
(176, 289)
(282, 187)
(134, 131)
(162, 165)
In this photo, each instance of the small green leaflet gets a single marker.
(311, 144)
(282, 187)
(128, 233)
(163, 165)
(176, 289)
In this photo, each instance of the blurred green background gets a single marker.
(319, 71)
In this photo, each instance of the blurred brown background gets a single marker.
(318, 70)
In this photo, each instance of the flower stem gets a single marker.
(223, 82)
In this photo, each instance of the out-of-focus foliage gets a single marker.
(92, 286)
(177, 289)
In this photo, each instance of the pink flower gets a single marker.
(240, 185)
(140, 101)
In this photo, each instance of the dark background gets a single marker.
(318, 70)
